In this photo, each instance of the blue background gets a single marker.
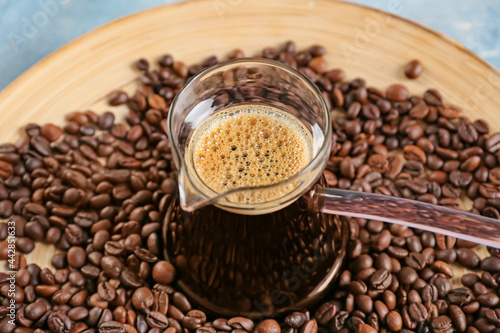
(31, 29)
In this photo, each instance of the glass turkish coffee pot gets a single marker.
(264, 258)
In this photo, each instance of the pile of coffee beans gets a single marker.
(97, 189)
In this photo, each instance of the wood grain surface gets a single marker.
(365, 42)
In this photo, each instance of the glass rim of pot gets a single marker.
(319, 160)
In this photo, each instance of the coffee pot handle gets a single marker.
(412, 213)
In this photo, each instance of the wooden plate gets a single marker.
(365, 42)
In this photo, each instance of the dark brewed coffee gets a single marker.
(254, 265)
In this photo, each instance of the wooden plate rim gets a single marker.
(26, 75)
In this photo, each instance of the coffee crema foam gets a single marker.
(250, 146)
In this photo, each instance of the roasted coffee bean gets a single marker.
(407, 275)
(6, 170)
(442, 324)
(433, 97)
(22, 277)
(318, 65)
(381, 279)
(117, 98)
(443, 285)
(113, 248)
(479, 289)
(163, 272)
(483, 325)
(46, 290)
(175, 313)
(142, 64)
(389, 299)
(337, 96)
(467, 131)
(394, 321)
(268, 326)
(311, 326)
(458, 318)
(397, 252)
(25, 245)
(413, 295)
(492, 316)
(242, 323)
(62, 296)
(447, 255)
(365, 328)
(106, 291)
(157, 320)
(416, 261)
(295, 320)
(35, 310)
(443, 267)
(383, 240)
(357, 287)
(78, 313)
(364, 303)
(467, 257)
(203, 329)
(489, 280)
(472, 307)
(488, 299)
(370, 111)
(417, 312)
(373, 321)
(491, 264)
(492, 144)
(76, 257)
(345, 278)
(381, 309)
(459, 296)
(347, 168)
(161, 302)
(111, 327)
(50, 132)
(413, 69)
(339, 321)
(469, 280)
(130, 279)
(181, 302)
(325, 313)
(364, 261)
(47, 277)
(397, 93)
(111, 266)
(429, 293)
(58, 322)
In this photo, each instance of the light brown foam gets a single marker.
(250, 146)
